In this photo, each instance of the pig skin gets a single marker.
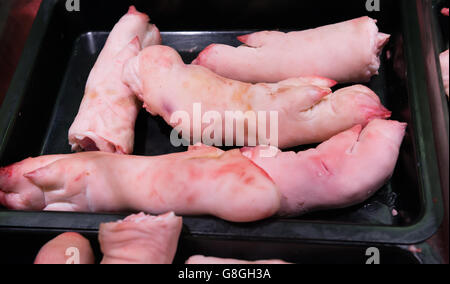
(107, 115)
(141, 239)
(54, 252)
(307, 110)
(199, 259)
(444, 59)
(346, 52)
(343, 171)
(190, 183)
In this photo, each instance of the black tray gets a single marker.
(19, 248)
(435, 40)
(48, 86)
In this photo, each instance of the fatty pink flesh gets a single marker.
(307, 111)
(141, 239)
(54, 252)
(345, 52)
(444, 58)
(192, 183)
(344, 171)
(108, 112)
(199, 259)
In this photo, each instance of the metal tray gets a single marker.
(48, 86)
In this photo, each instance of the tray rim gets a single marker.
(425, 227)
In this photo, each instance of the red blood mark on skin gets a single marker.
(249, 180)
(191, 199)
(239, 170)
(78, 178)
(243, 38)
(381, 112)
(155, 196)
(7, 172)
(234, 168)
(153, 193)
(195, 174)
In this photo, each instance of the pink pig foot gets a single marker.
(141, 239)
